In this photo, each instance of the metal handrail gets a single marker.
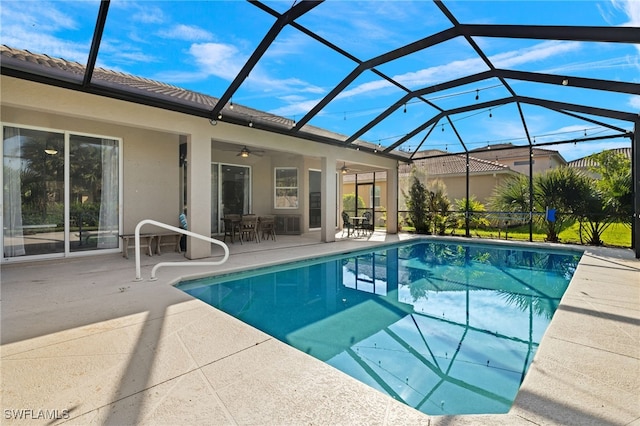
(181, 231)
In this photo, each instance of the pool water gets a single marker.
(446, 328)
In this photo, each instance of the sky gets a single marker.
(201, 45)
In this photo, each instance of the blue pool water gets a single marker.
(446, 328)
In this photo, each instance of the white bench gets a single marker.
(146, 240)
(169, 239)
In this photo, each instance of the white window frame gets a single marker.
(276, 188)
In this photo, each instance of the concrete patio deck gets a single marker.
(84, 342)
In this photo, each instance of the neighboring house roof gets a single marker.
(440, 164)
(507, 151)
(585, 162)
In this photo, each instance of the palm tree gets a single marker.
(512, 195)
(615, 183)
(564, 189)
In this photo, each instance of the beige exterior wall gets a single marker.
(150, 182)
(541, 163)
(519, 162)
(481, 186)
(150, 146)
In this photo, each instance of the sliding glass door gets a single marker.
(230, 192)
(94, 189)
(60, 192)
(33, 192)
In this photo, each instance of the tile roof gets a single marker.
(443, 164)
(73, 72)
(162, 94)
(584, 162)
(509, 150)
(76, 71)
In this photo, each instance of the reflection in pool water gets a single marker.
(445, 328)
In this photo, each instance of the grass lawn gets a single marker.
(617, 235)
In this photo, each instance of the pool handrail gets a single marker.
(181, 231)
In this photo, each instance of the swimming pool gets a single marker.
(447, 328)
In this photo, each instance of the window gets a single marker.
(61, 192)
(374, 196)
(286, 188)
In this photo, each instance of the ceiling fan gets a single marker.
(246, 152)
(344, 169)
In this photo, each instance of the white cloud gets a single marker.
(186, 32)
(455, 69)
(364, 88)
(33, 25)
(634, 102)
(149, 15)
(41, 42)
(36, 16)
(282, 87)
(292, 98)
(538, 52)
(616, 63)
(225, 61)
(459, 68)
(440, 73)
(286, 46)
(220, 60)
(631, 8)
(295, 109)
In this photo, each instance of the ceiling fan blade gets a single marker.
(246, 152)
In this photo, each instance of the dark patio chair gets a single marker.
(231, 227)
(249, 228)
(346, 224)
(367, 223)
(268, 227)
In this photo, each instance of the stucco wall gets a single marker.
(151, 182)
(481, 186)
(150, 167)
(151, 143)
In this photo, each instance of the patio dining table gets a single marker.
(357, 223)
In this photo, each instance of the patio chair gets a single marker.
(268, 227)
(249, 228)
(231, 227)
(367, 223)
(346, 224)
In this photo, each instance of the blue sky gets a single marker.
(200, 45)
